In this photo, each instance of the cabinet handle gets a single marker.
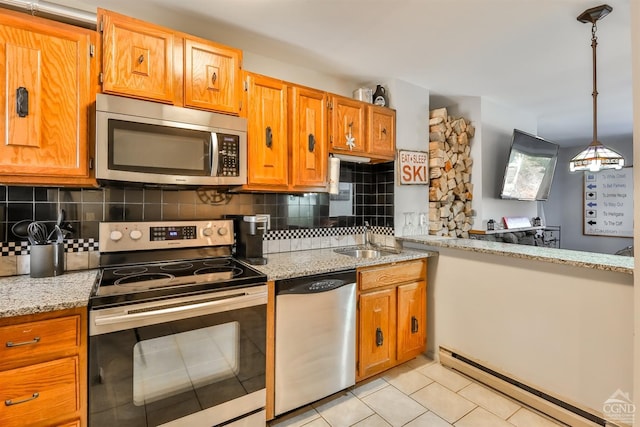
(268, 137)
(140, 59)
(312, 143)
(384, 131)
(379, 337)
(10, 402)
(22, 102)
(18, 344)
(214, 77)
(414, 325)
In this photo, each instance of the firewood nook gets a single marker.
(450, 163)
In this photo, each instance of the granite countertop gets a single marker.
(304, 263)
(621, 264)
(21, 295)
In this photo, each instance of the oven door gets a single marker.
(185, 361)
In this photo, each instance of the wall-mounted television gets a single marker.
(530, 168)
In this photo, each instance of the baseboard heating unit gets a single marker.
(545, 402)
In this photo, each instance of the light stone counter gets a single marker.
(621, 264)
(21, 295)
(315, 261)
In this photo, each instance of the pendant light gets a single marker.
(596, 156)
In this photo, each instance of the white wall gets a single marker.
(565, 329)
(635, 44)
(565, 205)
(412, 133)
(498, 122)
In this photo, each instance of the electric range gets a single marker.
(177, 328)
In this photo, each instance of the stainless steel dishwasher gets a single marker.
(315, 338)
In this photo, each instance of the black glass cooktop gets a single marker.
(134, 282)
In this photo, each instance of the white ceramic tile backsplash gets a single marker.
(8, 266)
(77, 260)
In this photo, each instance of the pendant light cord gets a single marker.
(594, 44)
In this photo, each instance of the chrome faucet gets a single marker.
(367, 230)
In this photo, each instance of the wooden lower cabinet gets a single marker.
(377, 350)
(412, 319)
(392, 315)
(43, 379)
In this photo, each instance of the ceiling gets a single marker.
(533, 55)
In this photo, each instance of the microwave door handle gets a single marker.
(214, 155)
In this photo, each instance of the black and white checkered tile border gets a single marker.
(304, 233)
(85, 245)
(70, 245)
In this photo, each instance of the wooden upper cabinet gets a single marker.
(212, 79)
(348, 126)
(137, 57)
(309, 151)
(362, 129)
(45, 98)
(267, 133)
(381, 132)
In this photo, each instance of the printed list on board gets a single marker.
(608, 203)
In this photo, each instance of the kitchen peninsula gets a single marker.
(557, 319)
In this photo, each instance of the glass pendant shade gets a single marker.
(596, 157)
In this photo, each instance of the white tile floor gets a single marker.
(420, 393)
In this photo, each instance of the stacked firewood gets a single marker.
(450, 188)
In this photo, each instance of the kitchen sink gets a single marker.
(362, 253)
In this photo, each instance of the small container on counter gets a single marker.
(46, 260)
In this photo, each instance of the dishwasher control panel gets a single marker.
(316, 283)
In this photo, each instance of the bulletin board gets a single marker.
(608, 203)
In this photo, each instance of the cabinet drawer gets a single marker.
(33, 342)
(388, 275)
(45, 391)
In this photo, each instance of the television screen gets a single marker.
(529, 171)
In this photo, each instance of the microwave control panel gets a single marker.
(228, 155)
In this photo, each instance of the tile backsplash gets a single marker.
(85, 208)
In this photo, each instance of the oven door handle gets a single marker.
(150, 315)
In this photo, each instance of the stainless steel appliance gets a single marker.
(250, 231)
(316, 338)
(156, 144)
(177, 328)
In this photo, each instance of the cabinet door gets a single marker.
(137, 58)
(212, 79)
(308, 139)
(348, 126)
(47, 66)
(382, 132)
(267, 133)
(412, 319)
(377, 349)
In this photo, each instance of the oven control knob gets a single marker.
(115, 235)
(135, 234)
(207, 231)
(222, 231)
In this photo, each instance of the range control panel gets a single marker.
(137, 236)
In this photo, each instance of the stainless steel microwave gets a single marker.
(154, 144)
